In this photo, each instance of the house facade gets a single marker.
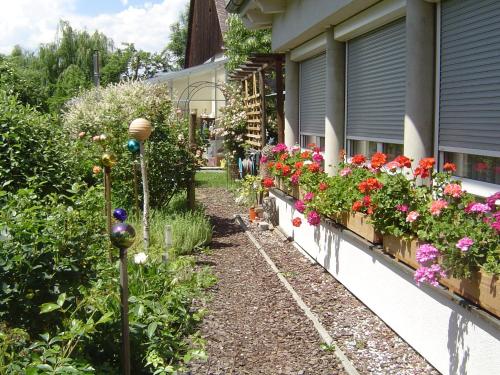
(419, 77)
(413, 77)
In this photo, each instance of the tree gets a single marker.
(239, 42)
(175, 50)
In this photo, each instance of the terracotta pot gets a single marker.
(481, 288)
(252, 214)
(140, 129)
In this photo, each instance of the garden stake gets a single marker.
(140, 129)
(108, 160)
(122, 236)
(192, 145)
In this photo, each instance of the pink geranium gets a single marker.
(454, 190)
(477, 208)
(437, 206)
(280, 147)
(313, 218)
(300, 206)
(308, 197)
(464, 243)
(412, 216)
(346, 171)
(317, 157)
(426, 253)
(429, 275)
(402, 207)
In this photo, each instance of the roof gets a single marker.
(222, 14)
(165, 76)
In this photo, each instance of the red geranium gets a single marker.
(421, 172)
(278, 166)
(299, 164)
(297, 222)
(270, 164)
(305, 155)
(286, 170)
(323, 186)
(314, 167)
(316, 149)
(449, 167)
(426, 163)
(378, 160)
(268, 182)
(367, 201)
(403, 161)
(284, 156)
(358, 159)
(369, 184)
(357, 206)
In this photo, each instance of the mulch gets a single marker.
(254, 326)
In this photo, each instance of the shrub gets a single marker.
(34, 148)
(109, 111)
(191, 231)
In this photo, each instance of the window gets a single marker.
(469, 88)
(368, 148)
(306, 140)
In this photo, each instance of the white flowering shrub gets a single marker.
(233, 122)
(109, 111)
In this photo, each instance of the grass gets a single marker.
(191, 231)
(211, 179)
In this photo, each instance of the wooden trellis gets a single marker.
(254, 102)
(251, 75)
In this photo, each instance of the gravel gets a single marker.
(255, 327)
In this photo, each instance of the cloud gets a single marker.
(29, 23)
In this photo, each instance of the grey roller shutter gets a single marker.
(312, 90)
(376, 83)
(469, 105)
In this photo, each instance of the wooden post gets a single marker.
(263, 118)
(145, 193)
(192, 145)
(279, 99)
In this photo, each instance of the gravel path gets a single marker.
(255, 327)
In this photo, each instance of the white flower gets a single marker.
(180, 137)
(307, 162)
(140, 258)
(102, 137)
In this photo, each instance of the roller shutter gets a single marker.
(376, 83)
(312, 90)
(469, 105)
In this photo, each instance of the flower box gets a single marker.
(359, 224)
(294, 191)
(481, 288)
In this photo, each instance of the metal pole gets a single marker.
(136, 190)
(124, 312)
(97, 75)
(145, 189)
(107, 200)
(192, 145)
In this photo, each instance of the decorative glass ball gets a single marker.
(108, 159)
(133, 146)
(120, 214)
(122, 235)
(140, 129)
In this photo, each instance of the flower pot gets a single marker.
(252, 214)
(359, 224)
(481, 288)
(404, 250)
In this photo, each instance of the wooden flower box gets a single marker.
(359, 224)
(481, 288)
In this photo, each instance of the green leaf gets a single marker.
(61, 299)
(105, 318)
(48, 307)
(151, 329)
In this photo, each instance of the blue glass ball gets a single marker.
(122, 235)
(120, 214)
(133, 146)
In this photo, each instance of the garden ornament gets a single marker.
(133, 146)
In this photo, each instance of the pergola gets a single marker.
(251, 74)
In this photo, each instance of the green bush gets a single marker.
(33, 148)
(191, 231)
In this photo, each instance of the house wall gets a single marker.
(455, 340)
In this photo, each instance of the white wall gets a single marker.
(453, 339)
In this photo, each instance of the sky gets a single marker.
(144, 23)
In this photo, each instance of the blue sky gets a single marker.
(144, 23)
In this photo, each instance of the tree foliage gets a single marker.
(176, 48)
(239, 42)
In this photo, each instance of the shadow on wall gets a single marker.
(458, 326)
